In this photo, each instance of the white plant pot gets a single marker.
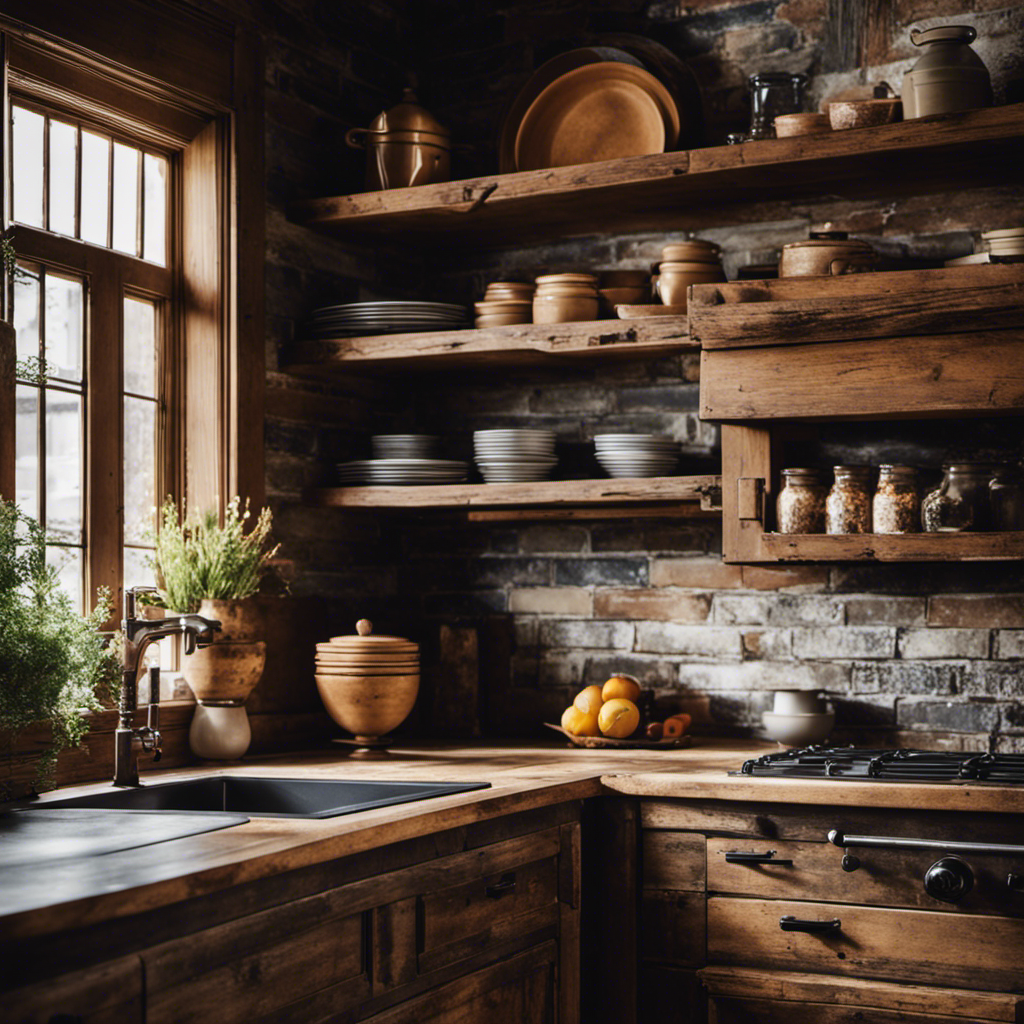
(219, 733)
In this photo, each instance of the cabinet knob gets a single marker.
(503, 887)
(949, 879)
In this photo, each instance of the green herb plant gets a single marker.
(55, 665)
(198, 558)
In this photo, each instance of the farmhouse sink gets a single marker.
(266, 798)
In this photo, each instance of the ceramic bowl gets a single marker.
(798, 730)
(787, 125)
(369, 705)
(846, 114)
(561, 309)
(672, 287)
(502, 306)
(504, 319)
(798, 702)
(694, 249)
(625, 296)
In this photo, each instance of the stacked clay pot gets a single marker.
(565, 298)
(505, 303)
(368, 683)
(685, 263)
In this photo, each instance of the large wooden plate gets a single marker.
(592, 742)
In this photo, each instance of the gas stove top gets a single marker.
(888, 765)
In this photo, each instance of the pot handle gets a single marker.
(355, 138)
(944, 33)
(850, 265)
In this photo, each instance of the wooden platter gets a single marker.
(594, 742)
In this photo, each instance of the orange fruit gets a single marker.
(618, 718)
(570, 716)
(589, 700)
(587, 725)
(673, 728)
(684, 718)
(621, 686)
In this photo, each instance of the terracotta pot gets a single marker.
(369, 705)
(240, 621)
(225, 672)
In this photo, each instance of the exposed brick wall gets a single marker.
(929, 655)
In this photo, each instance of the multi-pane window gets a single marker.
(93, 308)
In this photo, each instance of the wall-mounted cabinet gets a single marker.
(920, 344)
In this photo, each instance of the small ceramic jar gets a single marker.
(848, 505)
(896, 507)
(800, 506)
(961, 502)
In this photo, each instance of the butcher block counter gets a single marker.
(474, 899)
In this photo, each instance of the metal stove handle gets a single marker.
(845, 841)
(789, 923)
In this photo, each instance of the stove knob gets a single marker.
(949, 879)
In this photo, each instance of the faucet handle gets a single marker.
(129, 599)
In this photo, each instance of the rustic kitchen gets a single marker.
(512, 512)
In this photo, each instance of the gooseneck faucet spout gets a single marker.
(138, 635)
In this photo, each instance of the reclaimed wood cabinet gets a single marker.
(719, 881)
(476, 923)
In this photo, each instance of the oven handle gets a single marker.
(789, 923)
(845, 841)
(743, 857)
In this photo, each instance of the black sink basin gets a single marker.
(267, 798)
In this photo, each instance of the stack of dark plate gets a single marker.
(386, 317)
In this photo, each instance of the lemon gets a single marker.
(589, 700)
(621, 686)
(618, 718)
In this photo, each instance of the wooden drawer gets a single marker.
(739, 996)
(673, 860)
(969, 950)
(893, 878)
(109, 993)
(672, 927)
(516, 896)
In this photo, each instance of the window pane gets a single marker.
(126, 199)
(139, 469)
(63, 161)
(69, 569)
(28, 166)
(155, 216)
(64, 465)
(95, 185)
(136, 572)
(26, 312)
(26, 441)
(64, 335)
(140, 347)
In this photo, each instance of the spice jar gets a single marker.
(896, 507)
(961, 501)
(848, 505)
(1006, 496)
(800, 506)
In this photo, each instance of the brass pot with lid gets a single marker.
(405, 146)
(948, 76)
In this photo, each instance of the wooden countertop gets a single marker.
(61, 895)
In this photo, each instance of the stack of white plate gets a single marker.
(386, 317)
(403, 446)
(399, 472)
(1005, 241)
(514, 456)
(632, 455)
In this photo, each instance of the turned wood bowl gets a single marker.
(368, 705)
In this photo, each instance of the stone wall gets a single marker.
(909, 653)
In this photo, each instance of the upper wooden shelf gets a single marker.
(518, 345)
(908, 547)
(671, 191)
(692, 495)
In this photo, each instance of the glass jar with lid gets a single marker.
(896, 506)
(961, 502)
(800, 506)
(848, 505)
(1006, 496)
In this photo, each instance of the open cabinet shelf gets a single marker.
(592, 341)
(685, 189)
(666, 495)
(909, 547)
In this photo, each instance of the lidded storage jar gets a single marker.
(848, 505)
(404, 146)
(961, 501)
(896, 507)
(800, 506)
(948, 76)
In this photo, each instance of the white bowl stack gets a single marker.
(403, 446)
(633, 455)
(514, 455)
(1005, 241)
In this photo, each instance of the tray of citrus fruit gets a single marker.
(611, 716)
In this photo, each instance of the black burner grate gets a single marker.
(889, 765)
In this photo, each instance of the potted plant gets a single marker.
(55, 666)
(213, 565)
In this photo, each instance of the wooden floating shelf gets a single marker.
(689, 495)
(908, 547)
(670, 191)
(517, 345)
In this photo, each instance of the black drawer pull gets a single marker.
(749, 857)
(1015, 882)
(505, 885)
(794, 924)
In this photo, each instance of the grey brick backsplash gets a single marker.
(553, 538)
(844, 642)
(652, 672)
(740, 609)
(658, 398)
(956, 716)
(1008, 643)
(499, 571)
(765, 675)
(994, 679)
(688, 641)
(872, 712)
(805, 610)
(907, 677)
(944, 643)
(768, 644)
(589, 571)
(577, 633)
(885, 611)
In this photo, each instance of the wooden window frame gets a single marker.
(194, 76)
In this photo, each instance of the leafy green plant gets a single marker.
(196, 557)
(54, 663)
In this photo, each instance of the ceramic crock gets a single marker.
(949, 75)
(824, 257)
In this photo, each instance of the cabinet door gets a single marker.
(520, 989)
(110, 993)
